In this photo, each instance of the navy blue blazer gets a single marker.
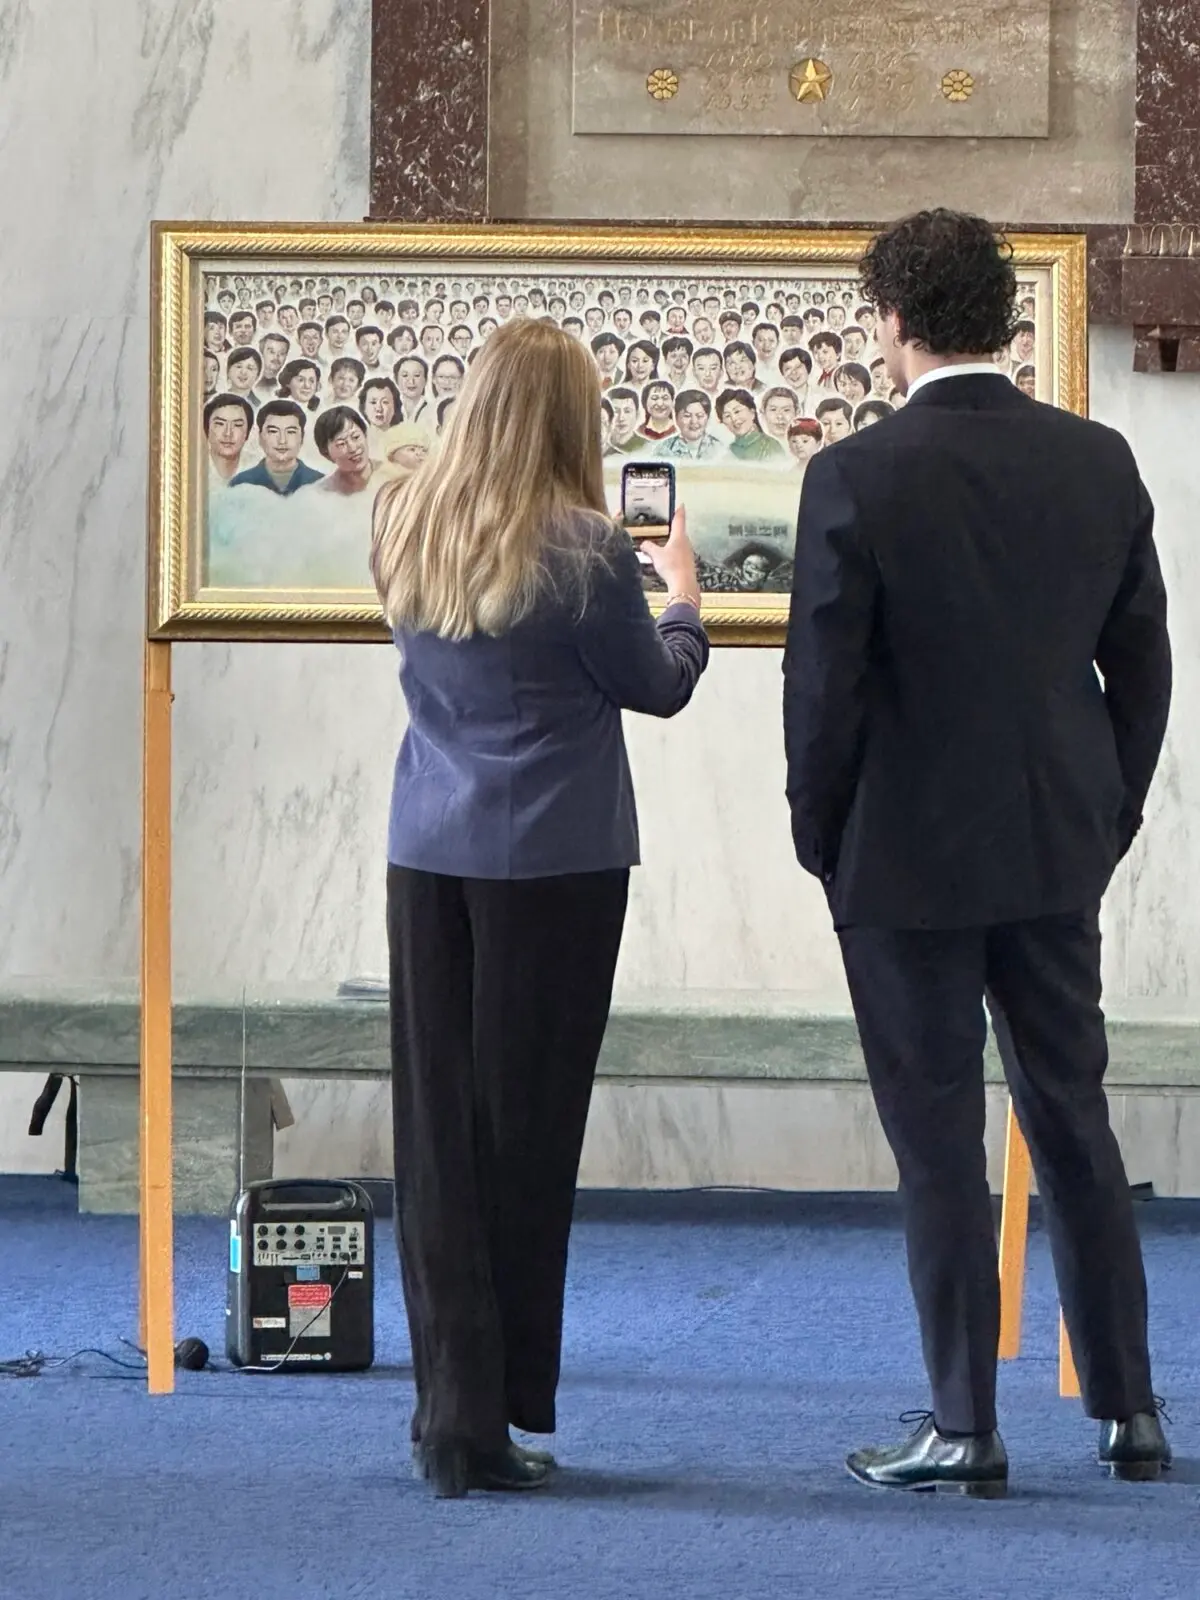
(514, 762)
(962, 570)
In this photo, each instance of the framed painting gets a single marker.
(296, 369)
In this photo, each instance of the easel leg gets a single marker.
(1014, 1231)
(157, 1201)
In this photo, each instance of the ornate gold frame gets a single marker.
(181, 250)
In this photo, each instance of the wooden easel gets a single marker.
(1014, 1232)
(157, 1222)
(156, 1253)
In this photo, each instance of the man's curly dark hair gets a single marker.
(950, 278)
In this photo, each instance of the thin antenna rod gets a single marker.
(242, 1106)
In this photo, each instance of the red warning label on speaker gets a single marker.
(308, 1310)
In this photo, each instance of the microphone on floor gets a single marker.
(191, 1355)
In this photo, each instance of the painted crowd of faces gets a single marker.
(318, 389)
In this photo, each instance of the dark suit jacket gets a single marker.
(962, 570)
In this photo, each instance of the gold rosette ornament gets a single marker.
(958, 86)
(662, 84)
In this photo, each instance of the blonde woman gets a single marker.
(523, 633)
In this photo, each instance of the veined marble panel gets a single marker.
(800, 1136)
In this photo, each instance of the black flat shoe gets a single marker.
(454, 1469)
(539, 1458)
(1135, 1450)
(975, 1466)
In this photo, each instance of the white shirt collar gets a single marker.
(967, 369)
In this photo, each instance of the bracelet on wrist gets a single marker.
(682, 600)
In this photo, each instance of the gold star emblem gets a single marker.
(810, 79)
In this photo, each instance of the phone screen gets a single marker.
(646, 497)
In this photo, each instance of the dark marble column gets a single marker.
(429, 110)
(1159, 270)
(1167, 158)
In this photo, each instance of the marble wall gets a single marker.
(211, 108)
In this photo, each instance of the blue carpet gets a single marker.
(722, 1353)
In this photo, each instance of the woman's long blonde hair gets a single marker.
(459, 548)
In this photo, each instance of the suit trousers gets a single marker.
(919, 1002)
(500, 993)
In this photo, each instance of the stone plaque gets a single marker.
(976, 69)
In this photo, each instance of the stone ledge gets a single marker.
(725, 1036)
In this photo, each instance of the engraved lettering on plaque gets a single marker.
(882, 68)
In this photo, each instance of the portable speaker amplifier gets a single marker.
(301, 1277)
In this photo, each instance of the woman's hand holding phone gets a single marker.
(675, 560)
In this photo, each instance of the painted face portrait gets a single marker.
(803, 447)
(766, 342)
(447, 379)
(660, 407)
(242, 375)
(344, 385)
(836, 425)
(379, 407)
(779, 412)
(212, 373)
(410, 376)
(274, 354)
(739, 368)
(625, 419)
(228, 430)
(281, 439)
(303, 386)
(738, 418)
(639, 365)
(707, 370)
(795, 374)
(850, 387)
(692, 422)
(348, 452)
(409, 456)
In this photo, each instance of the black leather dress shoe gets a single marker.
(975, 1466)
(1135, 1450)
(454, 1469)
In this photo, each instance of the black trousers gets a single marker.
(919, 1002)
(500, 992)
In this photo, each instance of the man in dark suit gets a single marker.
(964, 781)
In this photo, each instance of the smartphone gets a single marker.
(647, 498)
